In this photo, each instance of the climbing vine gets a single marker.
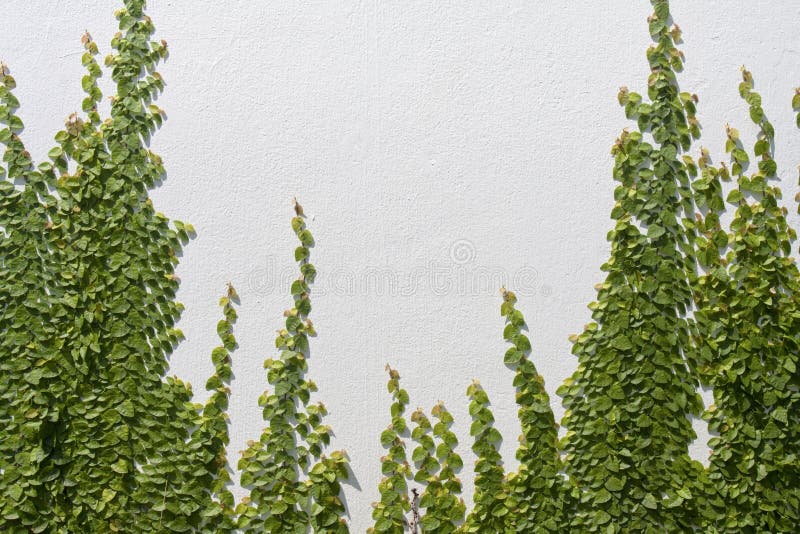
(630, 401)
(97, 438)
(280, 499)
(623, 464)
(192, 479)
(389, 512)
(443, 508)
(490, 511)
(88, 409)
(747, 324)
(537, 493)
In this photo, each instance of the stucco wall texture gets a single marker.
(440, 149)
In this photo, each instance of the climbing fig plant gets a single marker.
(630, 401)
(685, 303)
(293, 486)
(390, 512)
(537, 494)
(747, 325)
(86, 409)
(97, 438)
(443, 508)
(491, 509)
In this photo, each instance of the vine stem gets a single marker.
(414, 524)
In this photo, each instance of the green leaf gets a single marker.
(740, 156)
(622, 343)
(301, 253)
(614, 484)
(299, 287)
(655, 231)
(305, 238)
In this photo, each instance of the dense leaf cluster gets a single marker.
(630, 401)
(537, 492)
(88, 313)
(747, 325)
(96, 438)
(684, 303)
(293, 485)
(444, 509)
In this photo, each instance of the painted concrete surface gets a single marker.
(441, 149)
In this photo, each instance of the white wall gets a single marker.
(441, 148)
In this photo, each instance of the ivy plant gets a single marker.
(87, 407)
(192, 479)
(491, 500)
(747, 324)
(537, 492)
(292, 445)
(443, 508)
(390, 512)
(97, 437)
(630, 401)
